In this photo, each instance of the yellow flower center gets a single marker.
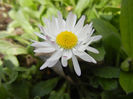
(66, 40)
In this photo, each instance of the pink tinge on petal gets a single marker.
(52, 42)
(41, 28)
(64, 61)
(40, 35)
(65, 56)
(47, 37)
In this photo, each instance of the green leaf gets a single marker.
(44, 87)
(111, 9)
(126, 81)
(100, 55)
(108, 84)
(126, 26)
(12, 60)
(125, 65)
(25, 2)
(21, 40)
(11, 49)
(59, 95)
(2, 74)
(4, 34)
(23, 21)
(12, 77)
(31, 13)
(81, 5)
(55, 95)
(107, 72)
(37, 97)
(19, 90)
(4, 94)
(111, 38)
(51, 11)
(20, 17)
(110, 95)
(1, 62)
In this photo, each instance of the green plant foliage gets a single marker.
(108, 84)
(126, 81)
(11, 49)
(81, 5)
(110, 34)
(110, 78)
(126, 26)
(107, 72)
(125, 65)
(45, 87)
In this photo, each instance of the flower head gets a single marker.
(66, 40)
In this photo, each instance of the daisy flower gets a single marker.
(66, 39)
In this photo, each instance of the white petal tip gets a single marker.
(35, 51)
(41, 68)
(100, 36)
(32, 44)
(79, 74)
(51, 66)
(32, 40)
(64, 65)
(83, 16)
(97, 52)
(59, 13)
(94, 62)
(91, 23)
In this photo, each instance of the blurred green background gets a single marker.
(110, 78)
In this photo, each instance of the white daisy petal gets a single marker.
(48, 63)
(46, 21)
(90, 29)
(52, 63)
(84, 56)
(83, 34)
(48, 27)
(91, 49)
(56, 55)
(89, 41)
(40, 35)
(76, 65)
(33, 41)
(79, 25)
(70, 21)
(91, 32)
(43, 66)
(81, 48)
(40, 44)
(41, 29)
(61, 22)
(53, 44)
(60, 15)
(96, 38)
(54, 26)
(64, 61)
(44, 50)
(67, 53)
